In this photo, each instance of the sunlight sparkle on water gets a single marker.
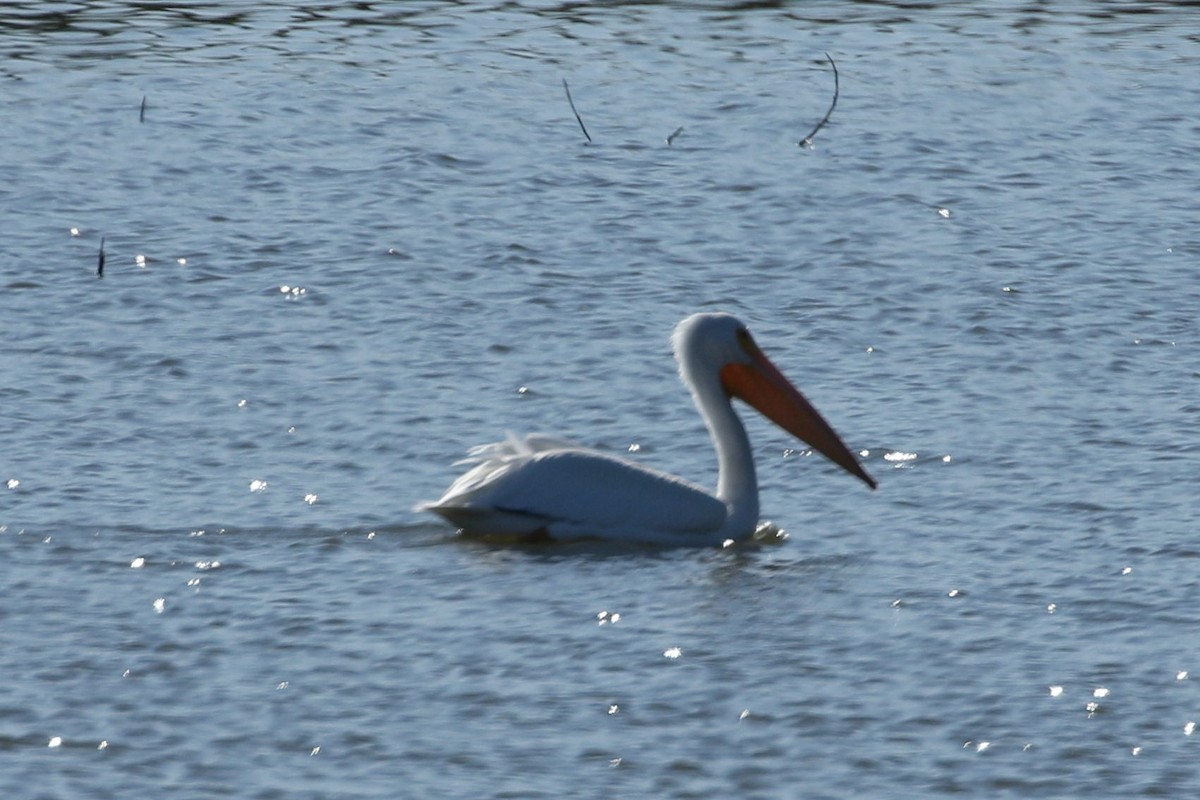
(55, 741)
(767, 532)
(672, 653)
(257, 485)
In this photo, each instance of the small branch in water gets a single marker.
(577, 117)
(100, 261)
(671, 138)
(142, 110)
(807, 140)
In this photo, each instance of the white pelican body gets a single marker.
(546, 488)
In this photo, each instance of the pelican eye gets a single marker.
(746, 341)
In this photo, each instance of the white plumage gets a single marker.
(542, 487)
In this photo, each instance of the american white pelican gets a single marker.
(546, 488)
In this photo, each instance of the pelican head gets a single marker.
(718, 356)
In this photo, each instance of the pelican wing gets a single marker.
(567, 491)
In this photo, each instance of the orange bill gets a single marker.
(764, 387)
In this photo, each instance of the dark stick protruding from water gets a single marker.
(100, 261)
(142, 110)
(807, 140)
(577, 117)
(671, 138)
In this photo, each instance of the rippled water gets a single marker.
(346, 242)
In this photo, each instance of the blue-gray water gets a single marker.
(984, 274)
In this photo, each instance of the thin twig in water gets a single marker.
(577, 117)
(807, 140)
(142, 110)
(671, 138)
(100, 261)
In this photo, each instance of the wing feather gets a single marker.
(550, 485)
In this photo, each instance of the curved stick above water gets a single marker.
(807, 140)
(578, 118)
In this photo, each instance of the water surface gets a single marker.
(345, 243)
